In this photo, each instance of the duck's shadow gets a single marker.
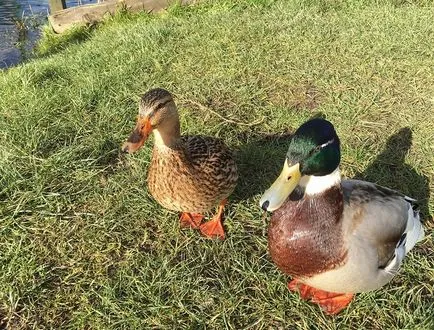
(259, 162)
(389, 170)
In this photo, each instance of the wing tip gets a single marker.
(413, 202)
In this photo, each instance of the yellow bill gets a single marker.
(279, 191)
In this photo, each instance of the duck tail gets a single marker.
(414, 230)
(413, 233)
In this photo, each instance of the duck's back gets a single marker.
(192, 176)
(376, 214)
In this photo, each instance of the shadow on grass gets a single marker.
(259, 162)
(389, 170)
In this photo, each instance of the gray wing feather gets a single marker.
(382, 215)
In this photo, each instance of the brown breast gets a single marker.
(305, 236)
(192, 177)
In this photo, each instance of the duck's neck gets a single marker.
(167, 135)
(319, 200)
(313, 185)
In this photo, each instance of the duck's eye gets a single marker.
(288, 178)
(314, 150)
(161, 105)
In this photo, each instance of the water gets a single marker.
(16, 43)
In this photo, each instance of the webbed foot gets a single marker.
(330, 302)
(214, 227)
(190, 220)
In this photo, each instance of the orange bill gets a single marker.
(138, 136)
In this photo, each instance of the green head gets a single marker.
(313, 150)
(316, 147)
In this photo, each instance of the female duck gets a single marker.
(336, 238)
(189, 174)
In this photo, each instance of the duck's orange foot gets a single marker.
(330, 302)
(190, 220)
(213, 229)
(305, 291)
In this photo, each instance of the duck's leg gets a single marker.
(330, 302)
(214, 227)
(190, 220)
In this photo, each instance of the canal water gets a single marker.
(20, 26)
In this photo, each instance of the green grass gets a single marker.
(84, 245)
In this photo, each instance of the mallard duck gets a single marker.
(189, 174)
(334, 237)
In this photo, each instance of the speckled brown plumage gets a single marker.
(305, 236)
(192, 175)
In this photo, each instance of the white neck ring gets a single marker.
(317, 184)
